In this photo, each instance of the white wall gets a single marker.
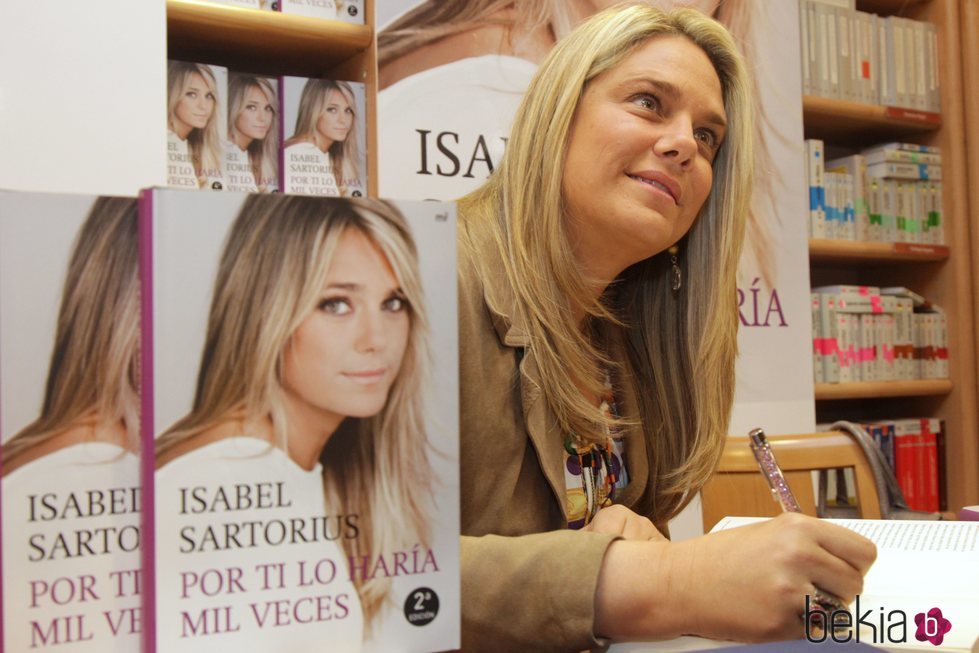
(83, 95)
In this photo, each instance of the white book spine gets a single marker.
(885, 57)
(804, 37)
(934, 76)
(942, 371)
(817, 192)
(831, 343)
(818, 340)
(844, 54)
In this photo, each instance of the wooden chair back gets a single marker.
(738, 487)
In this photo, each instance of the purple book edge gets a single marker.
(147, 459)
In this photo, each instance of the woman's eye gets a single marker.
(251, 107)
(191, 94)
(349, 111)
(647, 101)
(395, 304)
(707, 138)
(210, 96)
(269, 109)
(335, 306)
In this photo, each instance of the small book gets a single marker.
(69, 416)
(299, 369)
(251, 146)
(324, 137)
(196, 124)
(349, 11)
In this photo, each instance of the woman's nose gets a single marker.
(676, 141)
(372, 335)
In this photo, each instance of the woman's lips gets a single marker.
(660, 181)
(366, 377)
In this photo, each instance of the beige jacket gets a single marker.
(528, 583)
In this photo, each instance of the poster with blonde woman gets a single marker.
(452, 73)
(69, 423)
(251, 151)
(324, 148)
(196, 124)
(300, 375)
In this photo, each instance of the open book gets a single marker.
(921, 566)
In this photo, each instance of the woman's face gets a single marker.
(337, 118)
(343, 358)
(195, 106)
(640, 150)
(256, 115)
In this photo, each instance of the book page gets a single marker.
(921, 565)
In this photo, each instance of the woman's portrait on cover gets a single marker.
(326, 390)
(193, 133)
(326, 131)
(91, 393)
(252, 149)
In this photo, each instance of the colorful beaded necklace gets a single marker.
(598, 474)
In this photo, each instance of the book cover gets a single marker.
(349, 11)
(300, 375)
(251, 148)
(196, 124)
(249, 4)
(324, 137)
(69, 416)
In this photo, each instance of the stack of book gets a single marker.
(247, 133)
(887, 193)
(860, 57)
(865, 333)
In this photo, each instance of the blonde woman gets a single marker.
(252, 149)
(326, 130)
(193, 137)
(312, 376)
(62, 471)
(597, 304)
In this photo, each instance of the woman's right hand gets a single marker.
(746, 584)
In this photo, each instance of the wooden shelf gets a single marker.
(263, 42)
(863, 124)
(883, 389)
(889, 7)
(849, 251)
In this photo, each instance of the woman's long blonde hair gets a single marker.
(263, 154)
(681, 346)
(205, 144)
(345, 154)
(94, 362)
(271, 274)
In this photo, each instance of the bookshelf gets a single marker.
(270, 43)
(942, 274)
(852, 251)
(832, 120)
(921, 388)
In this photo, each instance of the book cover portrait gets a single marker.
(69, 345)
(304, 423)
